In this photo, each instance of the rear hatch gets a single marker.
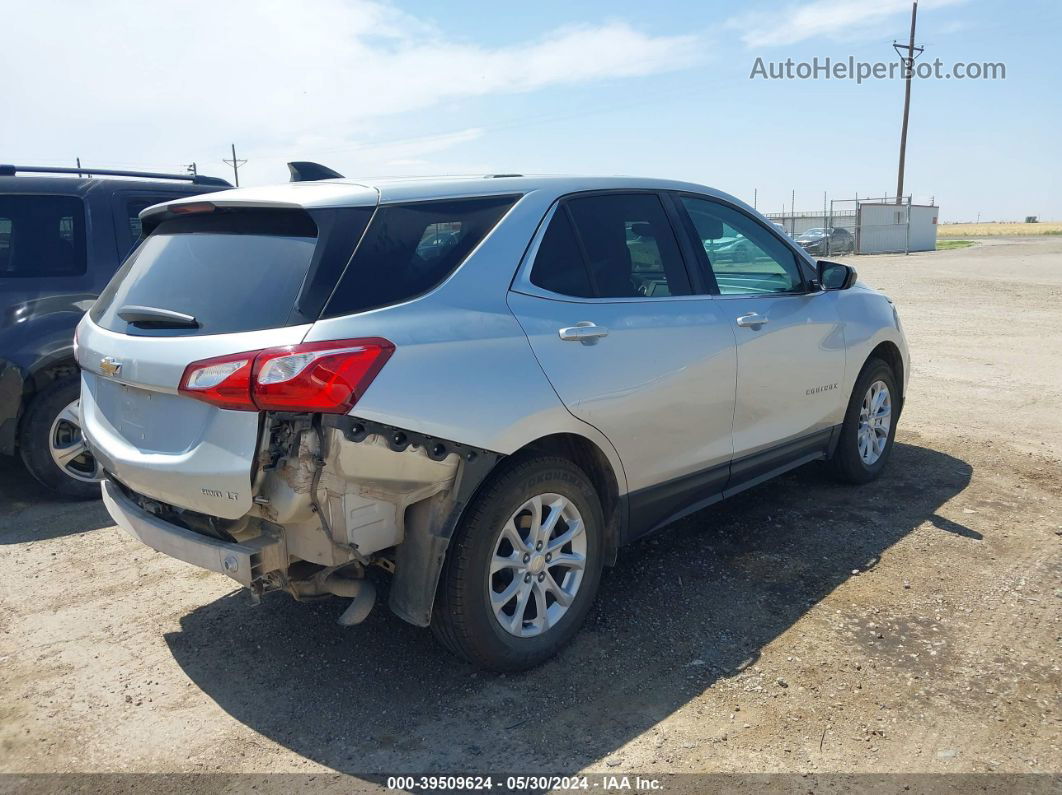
(216, 281)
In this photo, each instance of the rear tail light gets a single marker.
(326, 377)
(224, 381)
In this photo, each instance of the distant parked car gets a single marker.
(62, 237)
(781, 228)
(822, 241)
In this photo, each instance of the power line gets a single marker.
(235, 165)
(908, 70)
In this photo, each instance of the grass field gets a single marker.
(998, 229)
(944, 245)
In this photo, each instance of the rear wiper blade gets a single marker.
(155, 317)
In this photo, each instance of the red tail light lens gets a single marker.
(224, 381)
(326, 377)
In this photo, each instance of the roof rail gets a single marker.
(195, 179)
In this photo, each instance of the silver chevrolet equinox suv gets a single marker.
(481, 387)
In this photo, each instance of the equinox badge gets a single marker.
(110, 366)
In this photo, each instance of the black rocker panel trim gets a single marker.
(656, 506)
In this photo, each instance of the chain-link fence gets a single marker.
(862, 226)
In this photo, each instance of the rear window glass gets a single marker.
(409, 249)
(231, 272)
(42, 236)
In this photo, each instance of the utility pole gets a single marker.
(235, 165)
(755, 195)
(908, 71)
(191, 169)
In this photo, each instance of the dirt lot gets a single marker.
(912, 625)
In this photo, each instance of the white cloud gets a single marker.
(274, 75)
(831, 18)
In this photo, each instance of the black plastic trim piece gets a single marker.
(753, 466)
(661, 504)
(654, 507)
(357, 430)
(307, 171)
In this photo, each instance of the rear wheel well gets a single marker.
(588, 457)
(46, 376)
(890, 354)
(43, 378)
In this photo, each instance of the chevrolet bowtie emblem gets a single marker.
(110, 366)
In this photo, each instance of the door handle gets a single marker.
(583, 331)
(752, 319)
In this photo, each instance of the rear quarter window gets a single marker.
(42, 236)
(409, 249)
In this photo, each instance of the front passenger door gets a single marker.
(790, 341)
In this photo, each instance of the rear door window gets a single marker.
(410, 249)
(42, 236)
(231, 271)
(616, 245)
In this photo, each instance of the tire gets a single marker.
(52, 417)
(851, 461)
(464, 619)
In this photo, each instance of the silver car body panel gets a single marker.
(781, 395)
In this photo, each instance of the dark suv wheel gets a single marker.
(869, 425)
(523, 567)
(52, 446)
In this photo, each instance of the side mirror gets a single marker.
(836, 275)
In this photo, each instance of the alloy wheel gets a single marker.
(875, 421)
(67, 446)
(538, 565)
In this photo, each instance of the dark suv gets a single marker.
(62, 237)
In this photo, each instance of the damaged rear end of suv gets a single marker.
(281, 387)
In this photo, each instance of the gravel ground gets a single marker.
(912, 625)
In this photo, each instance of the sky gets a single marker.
(662, 89)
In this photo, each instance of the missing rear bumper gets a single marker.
(244, 561)
(430, 523)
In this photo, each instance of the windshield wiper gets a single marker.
(153, 317)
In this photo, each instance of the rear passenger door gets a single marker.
(631, 345)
